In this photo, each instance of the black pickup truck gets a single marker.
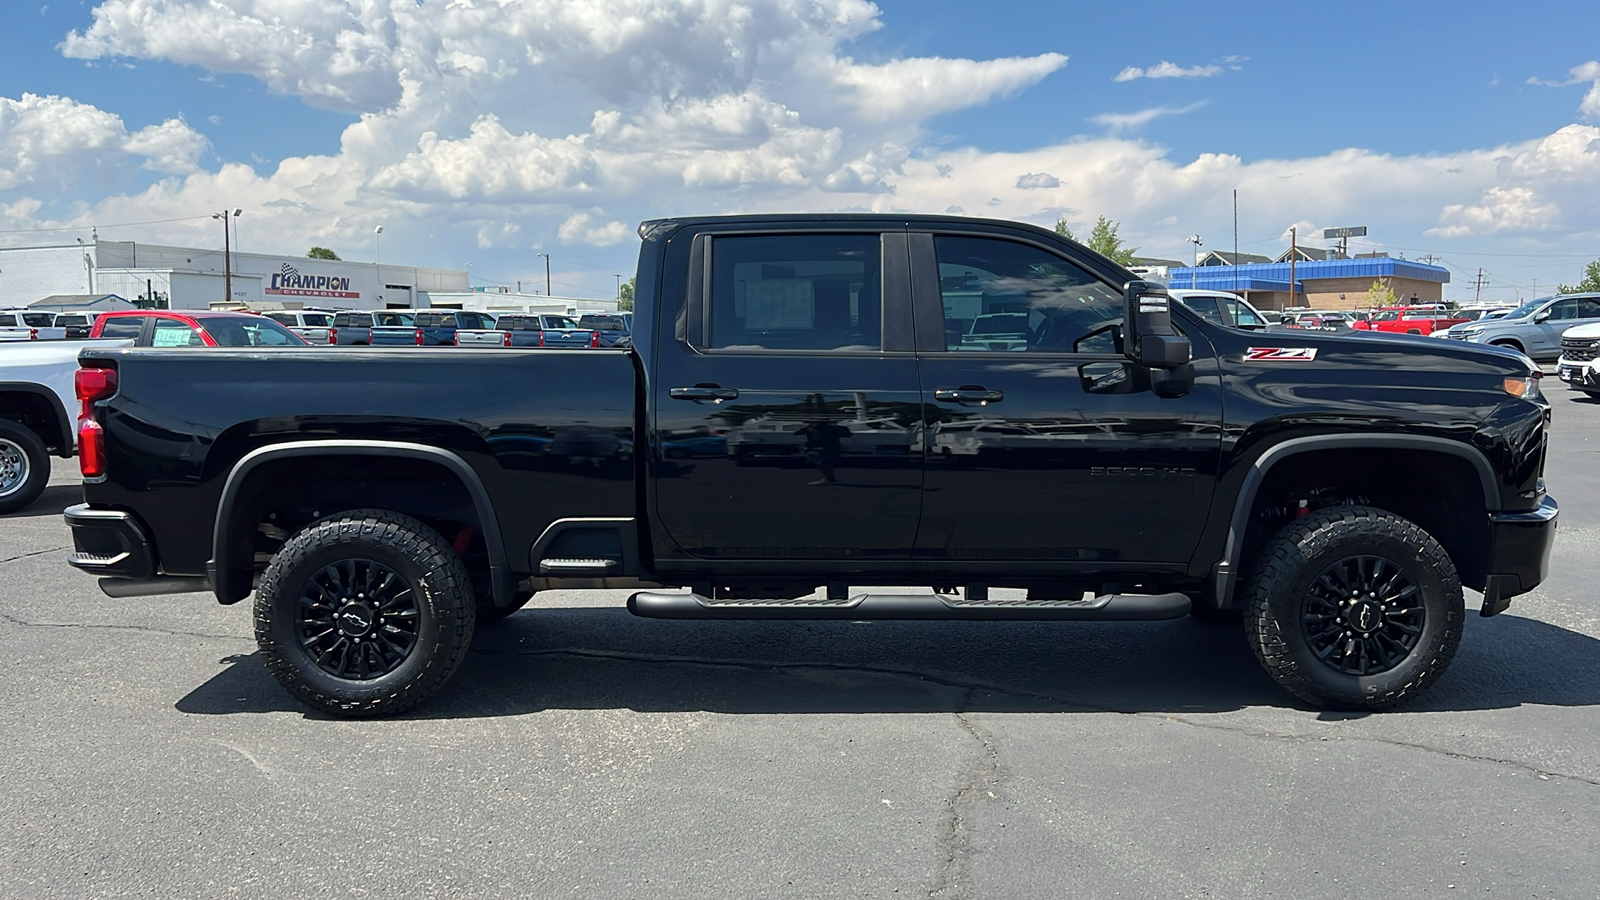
(806, 417)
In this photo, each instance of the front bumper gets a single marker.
(1580, 375)
(109, 543)
(1519, 553)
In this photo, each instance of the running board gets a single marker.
(1106, 608)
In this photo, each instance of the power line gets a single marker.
(96, 225)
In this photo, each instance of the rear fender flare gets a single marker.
(1226, 572)
(230, 588)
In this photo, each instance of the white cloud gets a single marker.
(1036, 180)
(1119, 123)
(918, 88)
(1589, 106)
(1165, 69)
(576, 230)
(53, 141)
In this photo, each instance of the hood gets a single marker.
(1582, 331)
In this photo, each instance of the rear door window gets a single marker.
(123, 327)
(796, 292)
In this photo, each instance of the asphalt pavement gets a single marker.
(581, 752)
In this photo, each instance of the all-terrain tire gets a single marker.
(1287, 616)
(292, 615)
(24, 466)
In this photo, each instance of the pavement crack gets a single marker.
(953, 836)
(34, 553)
(23, 623)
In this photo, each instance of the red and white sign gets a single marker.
(1280, 354)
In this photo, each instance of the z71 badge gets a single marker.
(1280, 354)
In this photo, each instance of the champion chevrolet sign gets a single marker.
(289, 282)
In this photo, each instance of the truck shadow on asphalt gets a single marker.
(604, 658)
(51, 502)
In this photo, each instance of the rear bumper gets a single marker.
(109, 543)
(1519, 553)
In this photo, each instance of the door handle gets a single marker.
(713, 392)
(968, 393)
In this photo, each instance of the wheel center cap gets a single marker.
(1366, 616)
(355, 619)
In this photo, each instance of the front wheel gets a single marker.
(24, 466)
(365, 613)
(1354, 608)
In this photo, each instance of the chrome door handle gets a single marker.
(968, 394)
(713, 392)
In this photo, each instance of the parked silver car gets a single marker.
(1535, 327)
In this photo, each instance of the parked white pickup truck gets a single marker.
(37, 409)
(29, 325)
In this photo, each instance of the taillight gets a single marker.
(594, 339)
(505, 339)
(333, 335)
(419, 337)
(33, 334)
(457, 339)
(92, 385)
(541, 339)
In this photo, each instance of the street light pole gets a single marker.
(546, 273)
(377, 266)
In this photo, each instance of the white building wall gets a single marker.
(193, 278)
(498, 302)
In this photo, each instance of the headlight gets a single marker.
(1472, 334)
(1526, 387)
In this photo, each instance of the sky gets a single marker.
(482, 133)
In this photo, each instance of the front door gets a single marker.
(786, 422)
(1043, 442)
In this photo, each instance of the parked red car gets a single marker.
(1410, 320)
(166, 328)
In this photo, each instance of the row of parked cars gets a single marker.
(388, 327)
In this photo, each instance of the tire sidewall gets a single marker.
(35, 457)
(328, 542)
(1442, 605)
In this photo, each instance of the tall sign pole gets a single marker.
(1294, 251)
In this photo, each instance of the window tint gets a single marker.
(315, 320)
(174, 333)
(558, 322)
(796, 292)
(1207, 308)
(1589, 308)
(122, 327)
(1565, 309)
(260, 332)
(1242, 315)
(72, 319)
(282, 318)
(1002, 295)
(390, 319)
(602, 323)
(38, 319)
(350, 320)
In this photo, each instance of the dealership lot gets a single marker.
(583, 752)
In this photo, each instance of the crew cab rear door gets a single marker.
(785, 396)
(1052, 448)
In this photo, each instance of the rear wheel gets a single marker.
(1354, 608)
(365, 613)
(24, 466)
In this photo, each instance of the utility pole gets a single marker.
(1477, 286)
(619, 287)
(546, 273)
(227, 252)
(1430, 259)
(1294, 251)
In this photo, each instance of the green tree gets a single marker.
(1590, 282)
(625, 296)
(321, 253)
(1381, 294)
(1103, 240)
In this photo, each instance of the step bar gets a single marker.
(870, 606)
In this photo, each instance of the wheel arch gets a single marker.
(1277, 459)
(37, 408)
(232, 566)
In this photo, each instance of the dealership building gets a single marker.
(1307, 277)
(193, 278)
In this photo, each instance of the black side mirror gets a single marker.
(1149, 338)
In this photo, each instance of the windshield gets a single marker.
(1527, 309)
(559, 322)
(256, 332)
(392, 319)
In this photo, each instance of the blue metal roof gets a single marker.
(1372, 267)
(1222, 278)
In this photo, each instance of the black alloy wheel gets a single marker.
(359, 618)
(364, 613)
(1362, 615)
(1352, 607)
